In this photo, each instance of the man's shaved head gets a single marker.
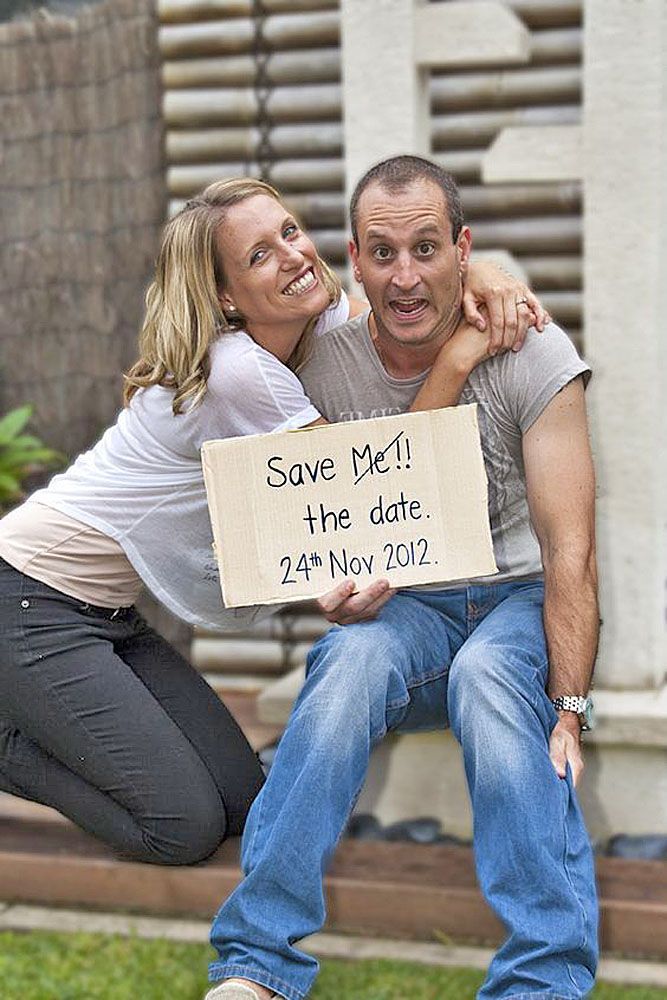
(399, 172)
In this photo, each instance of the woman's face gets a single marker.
(270, 266)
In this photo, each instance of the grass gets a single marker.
(41, 966)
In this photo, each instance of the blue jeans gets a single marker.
(474, 659)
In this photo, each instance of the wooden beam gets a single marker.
(56, 864)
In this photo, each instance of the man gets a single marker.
(505, 661)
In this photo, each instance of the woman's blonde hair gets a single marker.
(183, 311)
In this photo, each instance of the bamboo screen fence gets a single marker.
(82, 198)
(247, 80)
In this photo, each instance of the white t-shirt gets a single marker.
(142, 483)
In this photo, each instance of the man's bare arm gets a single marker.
(561, 495)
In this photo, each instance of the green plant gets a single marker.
(21, 455)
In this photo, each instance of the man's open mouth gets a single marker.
(301, 284)
(408, 308)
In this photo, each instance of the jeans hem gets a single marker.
(544, 996)
(219, 971)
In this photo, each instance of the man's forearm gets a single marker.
(571, 621)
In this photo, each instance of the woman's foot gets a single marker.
(239, 989)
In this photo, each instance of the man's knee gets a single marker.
(493, 683)
(360, 654)
(354, 674)
(366, 661)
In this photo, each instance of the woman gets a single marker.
(100, 717)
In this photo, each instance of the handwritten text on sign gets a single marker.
(398, 497)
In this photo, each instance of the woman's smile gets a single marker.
(305, 282)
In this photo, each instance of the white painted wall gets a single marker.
(625, 275)
(384, 92)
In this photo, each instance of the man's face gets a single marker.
(410, 268)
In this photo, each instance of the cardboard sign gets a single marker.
(402, 498)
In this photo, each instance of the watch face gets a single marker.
(587, 714)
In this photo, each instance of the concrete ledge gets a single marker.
(630, 718)
(525, 154)
(324, 945)
(465, 34)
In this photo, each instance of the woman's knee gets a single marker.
(183, 839)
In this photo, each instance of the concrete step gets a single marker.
(267, 650)
(269, 657)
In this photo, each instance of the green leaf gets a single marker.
(24, 465)
(27, 441)
(21, 455)
(34, 456)
(14, 422)
(9, 485)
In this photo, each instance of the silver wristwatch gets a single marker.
(582, 707)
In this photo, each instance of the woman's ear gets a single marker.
(226, 302)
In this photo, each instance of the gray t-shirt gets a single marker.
(345, 380)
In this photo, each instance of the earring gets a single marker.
(231, 314)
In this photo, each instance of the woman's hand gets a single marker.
(511, 307)
(467, 347)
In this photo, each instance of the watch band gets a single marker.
(575, 703)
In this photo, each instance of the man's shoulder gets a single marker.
(552, 346)
(518, 385)
(552, 342)
(542, 355)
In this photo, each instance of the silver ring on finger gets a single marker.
(521, 302)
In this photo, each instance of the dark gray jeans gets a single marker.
(105, 721)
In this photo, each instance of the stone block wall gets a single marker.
(82, 200)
